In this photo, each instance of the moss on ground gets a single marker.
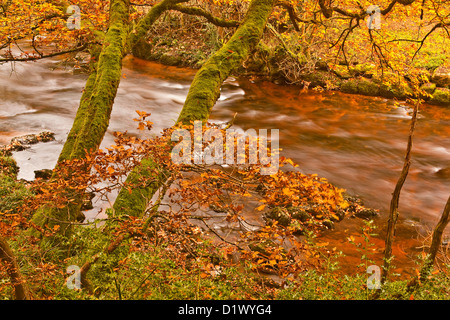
(12, 192)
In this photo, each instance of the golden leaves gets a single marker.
(46, 23)
(261, 207)
(288, 192)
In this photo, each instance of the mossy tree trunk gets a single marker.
(202, 95)
(92, 118)
(7, 257)
(93, 114)
(205, 88)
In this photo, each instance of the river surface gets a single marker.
(356, 142)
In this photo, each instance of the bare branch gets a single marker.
(393, 212)
(203, 13)
(43, 56)
(293, 16)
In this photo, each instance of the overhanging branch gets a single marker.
(196, 11)
(43, 56)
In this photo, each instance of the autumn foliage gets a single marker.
(182, 214)
(206, 224)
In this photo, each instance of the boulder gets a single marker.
(428, 88)
(399, 91)
(363, 69)
(170, 60)
(441, 77)
(441, 96)
(368, 88)
(350, 86)
(341, 71)
(28, 139)
(279, 214)
(367, 214)
(319, 78)
(44, 174)
(24, 142)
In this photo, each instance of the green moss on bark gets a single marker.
(142, 189)
(92, 118)
(205, 88)
(93, 114)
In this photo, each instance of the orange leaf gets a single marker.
(261, 207)
(288, 192)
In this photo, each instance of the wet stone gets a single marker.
(24, 142)
(43, 174)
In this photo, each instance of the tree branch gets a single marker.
(436, 241)
(203, 13)
(43, 56)
(21, 291)
(293, 16)
(328, 11)
(393, 212)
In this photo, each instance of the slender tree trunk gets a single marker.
(393, 212)
(203, 94)
(21, 291)
(436, 242)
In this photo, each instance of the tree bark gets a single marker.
(92, 118)
(21, 291)
(393, 211)
(93, 114)
(436, 242)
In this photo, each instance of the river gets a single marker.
(356, 142)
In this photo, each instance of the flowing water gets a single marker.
(357, 143)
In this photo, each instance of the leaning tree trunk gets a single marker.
(436, 242)
(203, 94)
(138, 40)
(393, 211)
(93, 114)
(7, 257)
(92, 119)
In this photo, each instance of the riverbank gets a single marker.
(217, 275)
(363, 136)
(188, 42)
